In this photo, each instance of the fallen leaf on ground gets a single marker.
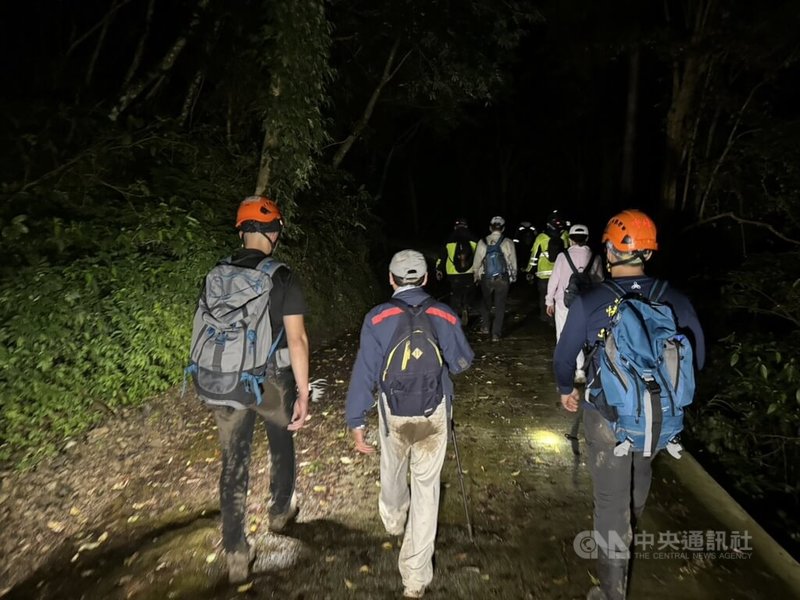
(346, 460)
(387, 546)
(319, 489)
(211, 557)
(56, 526)
(243, 588)
(348, 584)
(364, 569)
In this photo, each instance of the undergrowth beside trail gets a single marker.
(105, 266)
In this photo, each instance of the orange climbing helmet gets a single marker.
(259, 213)
(631, 231)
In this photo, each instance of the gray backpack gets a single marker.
(232, 337)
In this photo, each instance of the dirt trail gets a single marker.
(130, 511)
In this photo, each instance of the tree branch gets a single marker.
(734, 217)
(388, 73)
(165, 65)
(731, 139)
(137, 55)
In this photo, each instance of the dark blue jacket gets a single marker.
(376, 335)
(588, 317)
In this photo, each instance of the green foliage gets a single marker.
(104, 266)
(297, 46)
(766, 285)
(751, 424)
(748, 415)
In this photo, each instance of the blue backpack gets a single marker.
(411, 373)
(494, 264)
(645, 373)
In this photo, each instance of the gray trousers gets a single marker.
(495, 291)
(417, 445)
(620, 485)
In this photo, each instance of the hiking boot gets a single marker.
(239, 564)
(414, 592)
(278, 523)
(484, 331)
(580, 376)
(495, 338)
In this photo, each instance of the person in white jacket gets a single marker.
(583, 259)
(495, 269)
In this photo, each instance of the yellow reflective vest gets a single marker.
(540, 262)
(450, 253)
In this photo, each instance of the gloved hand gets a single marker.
(529, 277)
(439, 275)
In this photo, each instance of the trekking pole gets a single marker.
(461, 479)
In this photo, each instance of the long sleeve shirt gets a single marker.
(509, 252)
(559, 278)
(377, 332)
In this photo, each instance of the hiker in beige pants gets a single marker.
(408, 349)
(421, 444)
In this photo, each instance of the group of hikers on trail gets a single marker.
(250, 362)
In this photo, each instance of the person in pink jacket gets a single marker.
(582, 259)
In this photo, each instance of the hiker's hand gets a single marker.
(439, 275)
(300, 412)
(570, 401)
(530, 277)
(551, 310)
(361, 445)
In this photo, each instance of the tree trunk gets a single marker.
(388, 73)
(99, 45)
(192, 93)
(137, 55)
(268, 145)
(631, 113)
(132, 92)
(686, 80)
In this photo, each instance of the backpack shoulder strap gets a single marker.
(614, 287)
(657, 290)
(269, 265)
(571, 264)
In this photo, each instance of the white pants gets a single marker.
(418, 444)
(561, 318)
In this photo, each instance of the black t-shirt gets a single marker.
(286, 297)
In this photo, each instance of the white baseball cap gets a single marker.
(499, 221)
(408, 264)
(579, 230)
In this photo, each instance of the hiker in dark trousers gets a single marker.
(455, 265)
(285, 392)
(413, 427)
(621, 481)
(495, 269)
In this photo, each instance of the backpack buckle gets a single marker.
(652, 385)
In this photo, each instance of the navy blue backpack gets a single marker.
(411, 373)
(646, 371)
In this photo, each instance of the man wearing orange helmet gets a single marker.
(285, 393)
(621, 482)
